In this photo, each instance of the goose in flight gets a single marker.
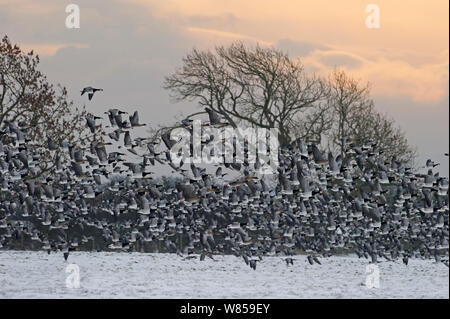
(90, 91)
(431, 163)
(90, 121)
(134, 120)
(214, 117)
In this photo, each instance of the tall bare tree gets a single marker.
(354, 116)
(263, 87)
(382, 130)
(347, 99)
(258, 86)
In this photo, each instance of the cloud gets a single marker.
(127, 47)
(127, 31)
(43, 49)
(427, 82)
(218, 35)
(403, 58)
(226, 20)
(333, 59)
(297, 48)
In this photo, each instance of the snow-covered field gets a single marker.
(26, 274)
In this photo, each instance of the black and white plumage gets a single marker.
(90, 91)
(95, 197)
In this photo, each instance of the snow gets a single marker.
(35, 274)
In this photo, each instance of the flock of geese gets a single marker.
(104, 198)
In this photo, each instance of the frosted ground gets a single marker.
(26, 274)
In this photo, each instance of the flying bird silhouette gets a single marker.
(90, 91)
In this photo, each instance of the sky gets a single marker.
(128, 47)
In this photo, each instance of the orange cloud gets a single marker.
(407, 56)
(49, 49)
(389, 77)
(217, 35)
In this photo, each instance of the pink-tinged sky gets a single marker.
(131, 45)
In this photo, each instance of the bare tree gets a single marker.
(45, 113)
(263, 87)
(354, 117)
(382, 130)
(347, 99)
(314, 124)
(257, 86)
